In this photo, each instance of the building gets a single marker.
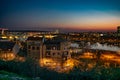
(6, 50)
(39, 48)
(118, 32)
(35, 47)
(118, 29)
(57, 49)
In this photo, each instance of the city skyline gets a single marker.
(68, 15)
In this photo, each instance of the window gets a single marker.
(36, 57)
(28, 51)
(48, 47)
(33, 48)
(29, 47)
(48, 53)
(65, 53)
(58, 48)
(53, 54)
(54, 48)
(64, 48)
(38, 48)
(58, 53)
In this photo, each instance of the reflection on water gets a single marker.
(85, 62)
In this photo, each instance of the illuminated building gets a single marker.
(35, 47)
(118, 32)
(39, 48)
(6, 52)
(57, 49)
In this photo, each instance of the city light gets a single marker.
(7, 57)
(69, 64)
(88, 55)
(4, 37)
(111, 57)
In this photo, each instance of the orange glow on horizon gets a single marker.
(97, 22)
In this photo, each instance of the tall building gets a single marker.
(35, 47)
(118, 32)
(118, 29)
(51, 48)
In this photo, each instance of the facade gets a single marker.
(6, 50)
(57, 49)
(39, 48)
(118, 29)
(35, 47)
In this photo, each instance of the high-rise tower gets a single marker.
(118, 29)
(118, 32)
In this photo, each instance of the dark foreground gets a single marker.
(28, 70)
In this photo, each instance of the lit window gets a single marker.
(54, 48)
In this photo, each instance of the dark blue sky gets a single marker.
(65, 14)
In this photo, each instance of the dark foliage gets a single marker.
(31, 69)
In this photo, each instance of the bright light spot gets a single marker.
(11, 37)
(111, 57)
(49, 36)
(7, 56)
(47, 62)
(4, 37)
(88, 55)
(16, 37)
(58, 66)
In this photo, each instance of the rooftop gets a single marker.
(6, 45)
(34, 38)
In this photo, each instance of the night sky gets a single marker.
(68, 15)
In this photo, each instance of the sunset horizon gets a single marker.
(76, 15)
(59, 39)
